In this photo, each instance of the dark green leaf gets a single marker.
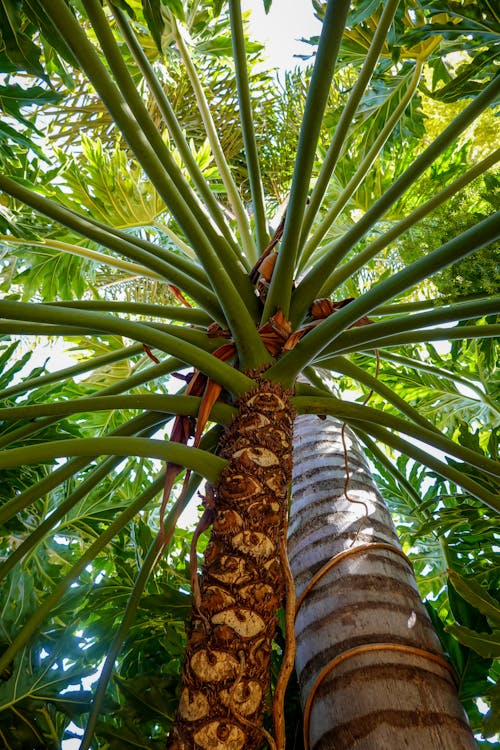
(486, 645)
(176, 7)
(491, 722)
(20, 50)
(154, 19)
(123, 5)
(14, 97)
(14, 135)
(476, 595)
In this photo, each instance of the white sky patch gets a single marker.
(282, 28)
(87, 684)
(48, 352)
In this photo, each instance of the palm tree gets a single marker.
(368, 662)
(266, 319)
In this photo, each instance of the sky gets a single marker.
(286, 23)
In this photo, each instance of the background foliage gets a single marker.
(78, 535)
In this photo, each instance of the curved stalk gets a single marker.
(309, 389)
(130, 611)
(385, 330)
(247, 128)
(233, 195)
(317, 97)
(206, 464)
(491, 330)
(128, 620)
(87, 254)
(342, 127)
(15, 328)
(41, 488)
(192, 355)
(71, 468)
(139, 378)
(402, 308)
(132, 381)
(220, 264)
(315, 380)
(398, 475)
(30, 429)
(53, 599)
(441, 372)
(90, 481)
(361, 258)
(448, 472)
(166, 404)
(346, 367)
(318, 282)
(29, 544)
(93, 363)
(191, 315)
(363, 168)
(171, 122)
(92, 230)
(188, 265)
(351, 411)
(326, 332)
(188, 334)
(127, 87)
(174, 238)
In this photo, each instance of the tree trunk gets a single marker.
(226, 674)
(370, 667)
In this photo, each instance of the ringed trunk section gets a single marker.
(370, 667)
(226, 677)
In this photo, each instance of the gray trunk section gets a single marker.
(381, 698)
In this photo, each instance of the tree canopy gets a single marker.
(147, 159)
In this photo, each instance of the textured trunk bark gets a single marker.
(226, 673)
(370, 666)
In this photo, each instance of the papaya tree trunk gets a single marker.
(370, 667)
(225, 682)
